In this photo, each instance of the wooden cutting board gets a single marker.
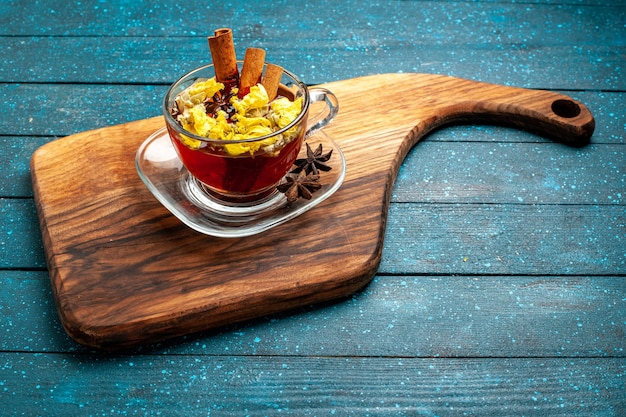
(125, 271)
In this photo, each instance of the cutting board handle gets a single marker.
(550, 114)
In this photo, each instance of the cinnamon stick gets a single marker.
(252, 70)
(271, 80)
(224, 57)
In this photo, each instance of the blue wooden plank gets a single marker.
(65, 109)
(162, 60)
(510, 173)
(59, 110)
(501, 43)
(29, 320)
(20, 237)
(459, 21)
(408, 316)
(309, 386)
(15, 154)
(436, 238)
(444, 169)
(500, 239)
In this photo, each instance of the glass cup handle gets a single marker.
(324, 115)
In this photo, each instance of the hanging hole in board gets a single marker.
(565, 108)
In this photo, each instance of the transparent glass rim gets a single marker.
(174, 124)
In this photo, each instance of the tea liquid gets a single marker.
(238, 175)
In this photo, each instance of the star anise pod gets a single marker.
(301, 185)
(314, 162)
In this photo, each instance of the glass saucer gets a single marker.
(169, 181)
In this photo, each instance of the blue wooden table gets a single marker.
(502, 289)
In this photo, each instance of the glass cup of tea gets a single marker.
(245, 171)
